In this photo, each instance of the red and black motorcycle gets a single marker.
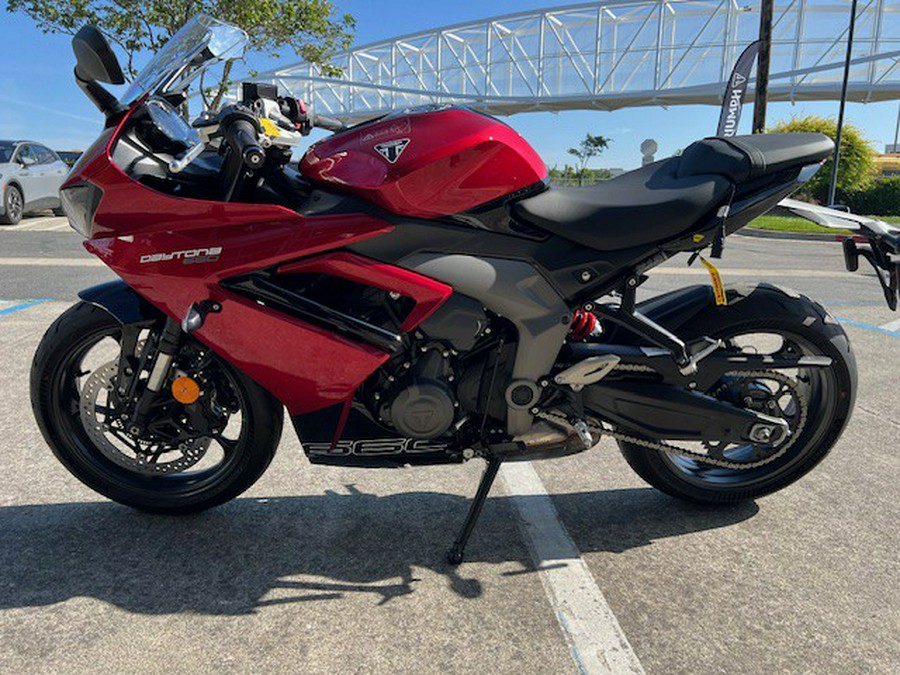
(414, 293)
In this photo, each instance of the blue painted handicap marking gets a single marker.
(10, 306)
(887, 329)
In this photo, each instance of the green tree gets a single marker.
(309, 28)
(881, 198)
(856, 168)
(592, 146)
(568, 175)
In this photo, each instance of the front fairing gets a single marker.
(175, 252)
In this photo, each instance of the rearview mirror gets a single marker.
(226, 42)
(95, 60)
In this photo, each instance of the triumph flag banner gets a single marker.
(730, 117)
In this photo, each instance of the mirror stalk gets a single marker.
(106, 103)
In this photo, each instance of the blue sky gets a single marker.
(39, 99)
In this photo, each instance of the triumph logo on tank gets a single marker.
(391, 150)
(189, 256)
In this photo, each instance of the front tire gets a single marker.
(61, 371)
(758, 310)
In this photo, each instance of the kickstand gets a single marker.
(456, 552)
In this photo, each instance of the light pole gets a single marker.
(766, 9)
(897, 131)
(840, 125)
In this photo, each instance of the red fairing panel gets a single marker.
(427, 164)
(305, 367)
(174, 252)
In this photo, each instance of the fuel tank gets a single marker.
(427, 162)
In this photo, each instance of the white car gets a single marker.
(30, 177)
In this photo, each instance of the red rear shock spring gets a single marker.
(584, 324)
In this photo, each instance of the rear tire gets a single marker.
(55, 402)
(13, 206)
(760, 308)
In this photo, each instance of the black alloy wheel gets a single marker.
(814, 401)
(72, 382)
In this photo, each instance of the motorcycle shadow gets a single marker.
(255, 552)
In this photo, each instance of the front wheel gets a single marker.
(188, 457)
(816, 402)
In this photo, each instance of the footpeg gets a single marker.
(591, 370)
(584, 433)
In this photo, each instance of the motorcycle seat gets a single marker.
(635, 208)
(743, 158)
(667, 198)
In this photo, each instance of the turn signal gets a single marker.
(185, 390)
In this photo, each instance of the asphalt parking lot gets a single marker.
(321, 570)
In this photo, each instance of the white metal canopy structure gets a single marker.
(608, 55)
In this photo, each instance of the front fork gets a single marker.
(167, 347)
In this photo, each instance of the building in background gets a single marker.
(888, 164)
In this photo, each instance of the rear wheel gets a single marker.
(13, 205)
(815, 402)
(188, 458)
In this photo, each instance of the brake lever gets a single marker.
(179, 164)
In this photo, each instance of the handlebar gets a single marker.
(241, 134)
(328, 123)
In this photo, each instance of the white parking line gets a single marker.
(24, 225)
(33, 224)
(56, 228)
(595, 638)
(39, 224)
(51, 262)
(749, 272)
(893, 326)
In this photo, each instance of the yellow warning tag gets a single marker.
(268, 127)
(718, 288)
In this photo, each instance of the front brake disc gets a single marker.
(134, 454)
